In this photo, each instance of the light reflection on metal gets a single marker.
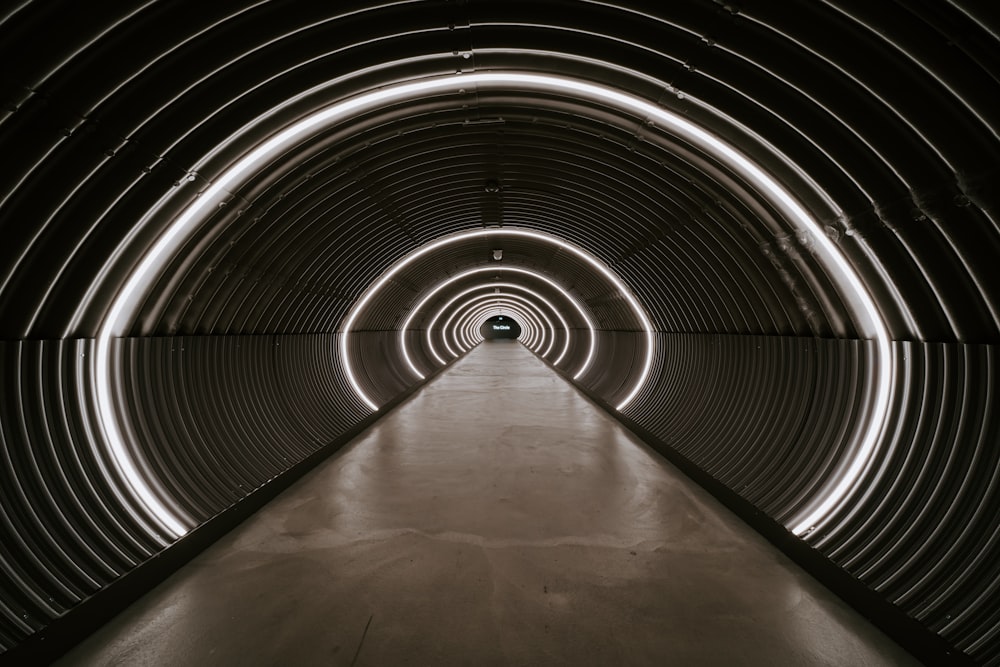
(504, 285)
(536, 328)
(471, 317)
(122, 310)
(140, 485)
(516, 232)
(404, 348)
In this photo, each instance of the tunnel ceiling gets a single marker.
(121, 120)
(112, 125)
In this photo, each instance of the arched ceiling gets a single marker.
(124, 125)
(107, 121)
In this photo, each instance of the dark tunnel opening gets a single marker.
(500, 326)
(762, 237)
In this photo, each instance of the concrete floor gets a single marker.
(495, 518)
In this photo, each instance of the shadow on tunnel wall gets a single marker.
(761, 422)
(224, 424)
(880, 117)
(224, 416)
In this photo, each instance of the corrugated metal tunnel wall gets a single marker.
(213, 266)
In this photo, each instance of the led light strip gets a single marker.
(477, 316)
(515, 232)
(404, 347)
(545, 330)
(472, 318)
(123, 309)
(504, 285)
(462, 313)
(533, 332)
(536, 329)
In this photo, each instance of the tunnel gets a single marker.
(500, 326)
(759, 235)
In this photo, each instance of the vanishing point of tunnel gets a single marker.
(548, 332)
(496, 517)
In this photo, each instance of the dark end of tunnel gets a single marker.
(500, 327)
(64, 633)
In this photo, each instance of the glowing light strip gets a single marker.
(470, 321)
(505, 285)
(535, 333)
(169, 521)
(404, 348)
(544, 331)
(516, 232)
(124, 307)
(447, 327)
(532, 329)
(529, 334)
(523, 320)
(465, 339)
(541, 315)
(477, 316)
(469, 328)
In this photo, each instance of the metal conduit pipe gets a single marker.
(800, 306)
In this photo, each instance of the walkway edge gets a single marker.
(924, 644)
(64, 633)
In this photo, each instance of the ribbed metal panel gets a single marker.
(219, 416)
(65, 531)
(769, 416)
(619, 356)
(923, 530)
(212, 417)
(880, 117)
(378, 364)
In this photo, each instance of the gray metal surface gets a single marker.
(881, 118)
(495, 518)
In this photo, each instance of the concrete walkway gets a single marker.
(495, 518)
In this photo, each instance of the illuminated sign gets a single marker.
(501, 327)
